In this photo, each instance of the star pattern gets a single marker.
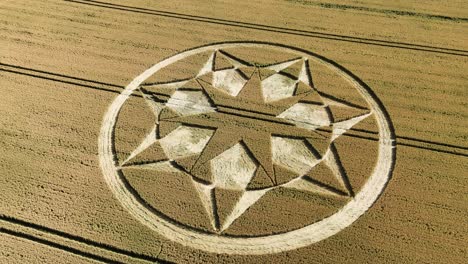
(247, 129)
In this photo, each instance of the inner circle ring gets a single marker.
(250, 245)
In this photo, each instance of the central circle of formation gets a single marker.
(243, 128)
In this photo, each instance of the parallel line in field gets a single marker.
(394, 12)
(114, 88)
(263, 27)
(57, 246)
(413, 143)
(50, 76)
(61, 75)
(430, 142)
(73, 244)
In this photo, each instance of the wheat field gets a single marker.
(64, 65)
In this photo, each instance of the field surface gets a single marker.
(64, 62)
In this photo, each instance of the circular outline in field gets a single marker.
(251, 245)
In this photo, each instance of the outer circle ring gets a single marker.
(254, 245)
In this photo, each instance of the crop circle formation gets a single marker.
(242, 126)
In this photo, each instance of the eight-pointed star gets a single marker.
(246, 117)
